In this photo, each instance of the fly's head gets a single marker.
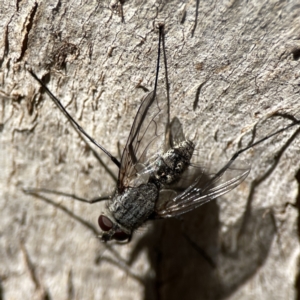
(112, 230)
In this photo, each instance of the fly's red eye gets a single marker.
(105, 223)
(120, 236)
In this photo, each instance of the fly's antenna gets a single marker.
(72, 120)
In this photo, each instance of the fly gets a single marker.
(156, 177)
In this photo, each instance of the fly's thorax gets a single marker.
(134, 206)
(170, 166)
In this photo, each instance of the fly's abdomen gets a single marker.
(170, 166)
(135, 205)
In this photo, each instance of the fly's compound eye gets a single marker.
(105, 223)
(120, 235)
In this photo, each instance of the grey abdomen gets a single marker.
(169, 167)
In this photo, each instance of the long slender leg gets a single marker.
(239, 152)
(167, 133)
(47, 191)
(72, 120)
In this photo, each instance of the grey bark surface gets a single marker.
(232, 66)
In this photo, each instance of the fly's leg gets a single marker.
(32, 191)
(239, 152)
(266, 174)
(72, 120)
(200, 250)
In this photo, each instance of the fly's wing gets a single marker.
(146, 138)
(200, 188)
(176, 132)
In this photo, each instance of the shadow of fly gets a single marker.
(156, 176)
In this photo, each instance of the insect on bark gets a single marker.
(157, 178)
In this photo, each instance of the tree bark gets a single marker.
(233, 67)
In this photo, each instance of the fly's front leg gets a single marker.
(32, 191)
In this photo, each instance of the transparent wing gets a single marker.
(146, 138)
(176, 132)
(199, 188)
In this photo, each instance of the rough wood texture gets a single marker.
(232, 66)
